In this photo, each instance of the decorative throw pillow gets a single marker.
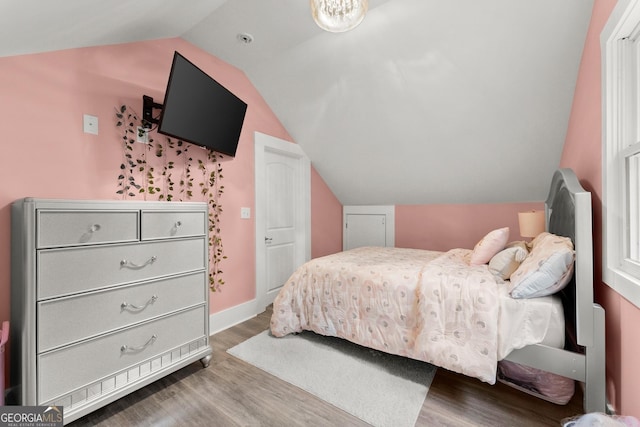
(489, 245)
(546, 270)
(505, 262)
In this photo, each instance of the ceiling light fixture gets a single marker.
(338, 16)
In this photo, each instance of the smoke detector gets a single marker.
(245, 38)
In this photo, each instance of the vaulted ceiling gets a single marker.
(427, 101)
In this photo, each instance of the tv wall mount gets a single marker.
(147, 111)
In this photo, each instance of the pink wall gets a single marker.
(326, 219)
(46, 154)
(444, 227)
(583, 153)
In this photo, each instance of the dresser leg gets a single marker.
(205, 361)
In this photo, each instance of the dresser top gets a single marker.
(39, 203)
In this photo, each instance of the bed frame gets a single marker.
(568, 213)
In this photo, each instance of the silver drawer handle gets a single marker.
(129, 264)
(127, 306)
(178, 224)
(94, 228)
(126, 349)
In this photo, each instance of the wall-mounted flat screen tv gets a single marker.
(199, 110)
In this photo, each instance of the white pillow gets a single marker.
(505, 262)
(489, 245)
(546, 270)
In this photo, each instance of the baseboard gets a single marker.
(225, 319)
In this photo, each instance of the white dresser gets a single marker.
(106, 297)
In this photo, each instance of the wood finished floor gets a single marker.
(231, 392)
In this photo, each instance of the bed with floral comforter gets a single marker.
(426, 305)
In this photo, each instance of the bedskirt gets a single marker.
(426, 305)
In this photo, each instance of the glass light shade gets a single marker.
(338, 16)
(531, 223)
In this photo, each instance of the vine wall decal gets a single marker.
(164, 170)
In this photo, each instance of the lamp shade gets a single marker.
(531, 223)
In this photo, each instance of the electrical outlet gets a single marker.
(245, 213)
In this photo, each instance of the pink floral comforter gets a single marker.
(426, 305)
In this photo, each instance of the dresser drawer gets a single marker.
(73, 270)
(57, 228)
(61, 371)
(159, 225)
(71, 319)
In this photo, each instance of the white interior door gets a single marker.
(283, 218)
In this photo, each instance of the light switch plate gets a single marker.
(90, 124)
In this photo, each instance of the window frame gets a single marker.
(620, 68)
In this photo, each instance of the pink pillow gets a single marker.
(489, 245)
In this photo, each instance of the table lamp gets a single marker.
(531, 223)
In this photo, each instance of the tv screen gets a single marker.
(199, 110)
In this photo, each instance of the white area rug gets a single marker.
(379, 388)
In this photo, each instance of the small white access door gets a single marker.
(368, 226)
(283, 213)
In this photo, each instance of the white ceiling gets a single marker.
(427, 101)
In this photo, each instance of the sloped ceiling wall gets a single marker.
(427, 101)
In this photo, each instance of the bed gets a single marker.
(447, 309)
